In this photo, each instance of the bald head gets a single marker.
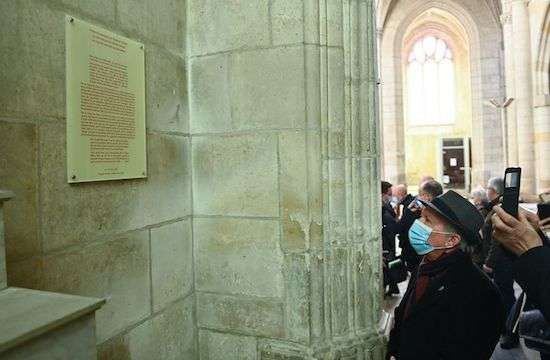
(425, 178)
(400, 191)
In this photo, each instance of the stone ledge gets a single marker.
(6, 195)
(27, 314)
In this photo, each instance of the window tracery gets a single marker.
(431, 82)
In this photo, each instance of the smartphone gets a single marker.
(543, 210)
(510, 198)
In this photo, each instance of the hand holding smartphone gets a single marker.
(510, 197)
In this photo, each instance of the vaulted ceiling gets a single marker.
(495, 6)
(385, 6)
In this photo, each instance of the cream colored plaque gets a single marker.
(105, 104)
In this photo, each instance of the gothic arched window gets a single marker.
(431, 83)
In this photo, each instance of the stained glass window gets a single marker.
(431, 83)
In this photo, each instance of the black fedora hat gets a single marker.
(459, 212)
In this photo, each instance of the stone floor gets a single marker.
(520, 353)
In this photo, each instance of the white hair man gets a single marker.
(450, 309)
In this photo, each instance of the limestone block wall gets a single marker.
(285, 179)
(256, 233)
(127, 241)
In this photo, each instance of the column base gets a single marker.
(367, 347)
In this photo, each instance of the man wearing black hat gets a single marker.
(427, 191)
(451, 310)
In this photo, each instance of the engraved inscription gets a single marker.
(108, 41)
(107, 108)
(106, 72)
(108, 118)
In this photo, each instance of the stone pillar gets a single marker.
(524, 94)
(391, 112)
(284, 136)
(542, 141)
(392, 121)
(379, 36)
(507, 30)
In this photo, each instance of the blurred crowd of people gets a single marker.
(462, 256)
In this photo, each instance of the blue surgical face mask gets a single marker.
(419, 234)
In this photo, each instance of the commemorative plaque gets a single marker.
(105, 104)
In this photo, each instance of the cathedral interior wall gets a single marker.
(256, 232)
(128, 241)
(284, 153)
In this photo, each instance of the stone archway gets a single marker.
(484, 37)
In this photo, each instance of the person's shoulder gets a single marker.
(479, 283)
(407, 200)
(472, 277)
(388, 210)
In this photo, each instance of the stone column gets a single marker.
(379, 36)
(524, 94)
(542, 141)
(286, 223)
(507, 30)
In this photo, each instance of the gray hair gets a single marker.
(480, 193)
(496, 183)
(431, 187)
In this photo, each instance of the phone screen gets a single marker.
(512, 180)
(510, 198)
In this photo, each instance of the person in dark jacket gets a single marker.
(481, 201)
(451, 309)
(484, 206)
(389, 230)
(532, 268)
(427, 191)
(402, 198)
(497, 264)
(525, 237)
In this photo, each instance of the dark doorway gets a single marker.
(454, 156)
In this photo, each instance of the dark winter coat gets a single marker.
(532, 272)
(495, 256)
(389, 229)
(407, 200)
(460, 316)
(480, 251)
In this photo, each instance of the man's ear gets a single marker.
(453, 240)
